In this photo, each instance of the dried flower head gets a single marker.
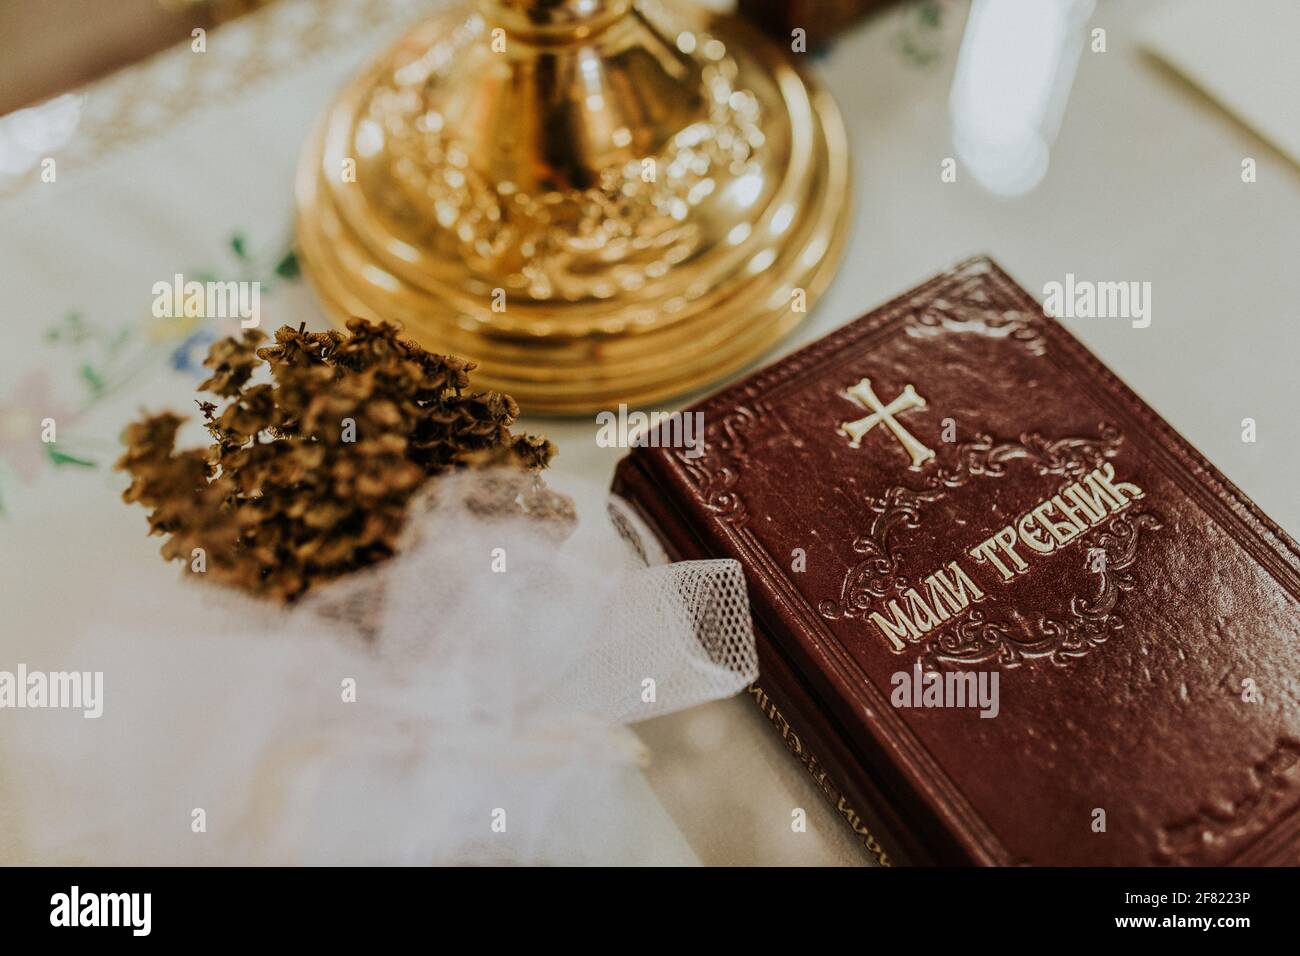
(309, 474)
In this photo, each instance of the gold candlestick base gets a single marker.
(599, 201)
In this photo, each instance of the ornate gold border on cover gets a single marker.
(977, 640)
(900, 506)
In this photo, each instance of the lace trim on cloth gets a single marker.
(147, 98)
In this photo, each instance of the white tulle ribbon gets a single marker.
(495, 672)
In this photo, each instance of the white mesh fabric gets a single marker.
(476, 691)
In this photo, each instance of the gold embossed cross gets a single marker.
(861, 394)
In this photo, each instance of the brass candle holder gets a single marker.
(600, 201)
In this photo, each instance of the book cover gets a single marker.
(1013, 616)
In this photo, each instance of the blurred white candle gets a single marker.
(1013, 78)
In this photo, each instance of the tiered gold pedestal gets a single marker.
(599, 201)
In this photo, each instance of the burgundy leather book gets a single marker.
(1006, 614)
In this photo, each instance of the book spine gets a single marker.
(833, 794)
(804, 728)
(811, 749)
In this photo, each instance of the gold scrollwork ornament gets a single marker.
(600, 201)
